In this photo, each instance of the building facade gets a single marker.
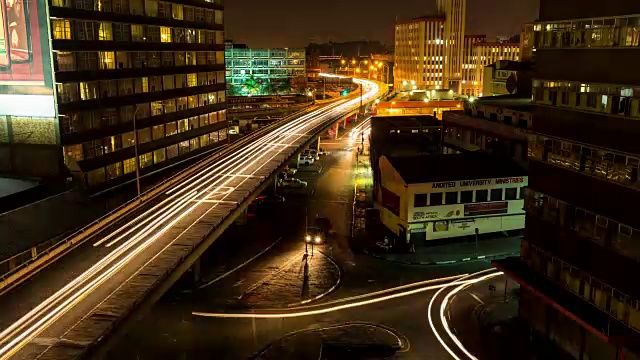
(470, 78)
(488, 53)
(506, 77)
(454, 29)
(581, 245)
(137, 74)
(419, 53)
(460, 195)
(263, 71)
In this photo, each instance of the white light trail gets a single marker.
(144, 230)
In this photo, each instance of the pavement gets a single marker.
(171, 331)
(497, 247)
(486, 321)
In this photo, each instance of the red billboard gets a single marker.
(499, 207)
(26, 81)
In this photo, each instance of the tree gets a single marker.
(251, 86)
(234, 90)
(269, 88)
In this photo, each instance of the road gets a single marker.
(48, 313)
(211, 323)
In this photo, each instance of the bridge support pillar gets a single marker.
(337, 128)
(318, 143)
(344, 123)
(195, 271)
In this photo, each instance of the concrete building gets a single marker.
(487, 53)
(507, 77)
(470, 77)
(431, 197)
(495, 125)
(428, 50)
(581, 247)
(133, 78)
(271, 69)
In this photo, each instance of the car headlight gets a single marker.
(308, 238)
(318, 239)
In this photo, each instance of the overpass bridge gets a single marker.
(74, 306)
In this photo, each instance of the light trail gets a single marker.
(462, 283)
(331, 308)
(144, 230)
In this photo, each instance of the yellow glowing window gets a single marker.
(165, 34)
(107, 60)
(192, 80)
(105, 32)
(62, 29)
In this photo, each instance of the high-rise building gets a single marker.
(454, 28)
(428, 50)
(153, 67)
(469, 71)
(581, 248)
(419, 52)
(487, 53)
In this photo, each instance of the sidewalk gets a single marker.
(457, 252)
(489, 326)
(287, 286)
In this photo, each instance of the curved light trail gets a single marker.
(137, 235)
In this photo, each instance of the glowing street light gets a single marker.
(353, 62)
(358, 70)
(377, 101)
(413, 82)
(415, 87)
(404, 82)
(472, 99)
(342, 61)
(426, 100)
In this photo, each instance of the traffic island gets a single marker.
(344, 341)
(289, 286)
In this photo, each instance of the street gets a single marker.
(171, 330)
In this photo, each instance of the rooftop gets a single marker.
(513, 102)
(495, 43)
(405, 121)
(466, 166)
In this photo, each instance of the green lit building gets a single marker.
(263, 71)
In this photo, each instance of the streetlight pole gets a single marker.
(135, 149)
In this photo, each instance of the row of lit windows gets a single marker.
(152, 8)
(114, 143)
(467, 196)
(248, 63)
(109, 60)
(70, 92)
(93, 119)
(106, 31)
(115, 170)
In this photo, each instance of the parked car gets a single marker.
(293, 183)
(290, 170)
(306, 160)
(314, 154)
(323, 152)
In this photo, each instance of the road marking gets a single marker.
(238, 267)
(476, 297)
(238, 283)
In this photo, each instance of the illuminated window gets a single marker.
(190, 58)
(193, 122)
(62, 3)
(204, 140)
(114, 170)
(194, 144)
(129, 165)
(218, 17)
(171, 128)
(128, 139)
(156, 108)
(73, 152)
(151, 8)
(105, 32)
(146, 160)
(165, 34)
(172, 151)
(144, 135)
(159, 156)
(61, 29)
(65, 61)
(157, 132)
(176, 11)
(137, 33)
(183, 125)
(107, 60)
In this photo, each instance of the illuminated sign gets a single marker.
(26, 74)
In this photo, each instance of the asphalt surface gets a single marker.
(171, 331)
(109, 269)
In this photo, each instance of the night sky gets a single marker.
(295, 23)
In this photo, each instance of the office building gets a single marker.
(433, 197)
(470, 77)
(153, 67)
(263, 71)
(506, 77)
(581, 247)
(428, 50)
(487, 53)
